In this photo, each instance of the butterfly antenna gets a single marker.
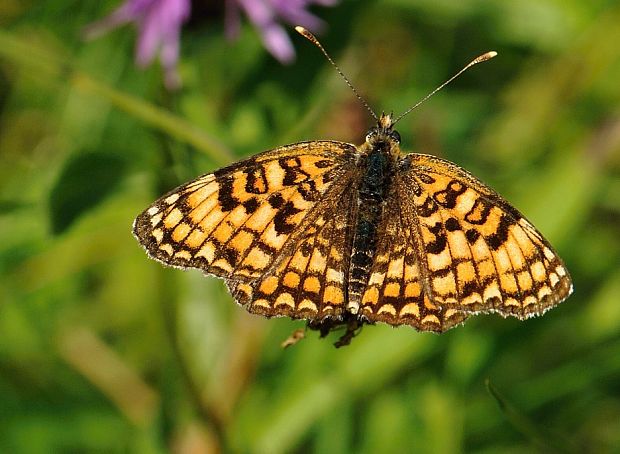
(475, 61)
(310, 37)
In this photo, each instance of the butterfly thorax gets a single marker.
(379, 156)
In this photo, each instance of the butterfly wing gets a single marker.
(479, 254)
(308, 280)
(236, 222)
(395, 292)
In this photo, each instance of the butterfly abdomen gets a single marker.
(373, 189)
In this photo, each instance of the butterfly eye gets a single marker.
(395, 135)
(372, 133)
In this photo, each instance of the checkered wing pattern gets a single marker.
(396, 292)
(255, 221)
(309, 280)
(476, 252)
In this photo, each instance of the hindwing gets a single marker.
(309, 279)
(396, 291)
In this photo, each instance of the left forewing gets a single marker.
(234, 223)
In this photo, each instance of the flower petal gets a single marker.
(264, 14)
(278, 43)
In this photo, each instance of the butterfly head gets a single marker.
(383, 136)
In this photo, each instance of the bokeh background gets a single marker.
(104, 350)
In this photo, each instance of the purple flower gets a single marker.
(265, 14)
(159, 27)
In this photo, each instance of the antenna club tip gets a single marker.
(484, 57)
(305, 33)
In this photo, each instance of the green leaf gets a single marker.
(85, 182)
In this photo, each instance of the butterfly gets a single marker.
(344, 235)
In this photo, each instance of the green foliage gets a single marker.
(102, 349)
(84, 182)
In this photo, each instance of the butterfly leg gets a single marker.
(354, 326)
(351, 322)
(324, 326)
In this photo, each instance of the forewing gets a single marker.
(308, 279)
(235, 222)
(395, 291)
(480, 253)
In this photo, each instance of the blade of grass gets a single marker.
(528, 428)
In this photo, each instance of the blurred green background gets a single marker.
(104, 350)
